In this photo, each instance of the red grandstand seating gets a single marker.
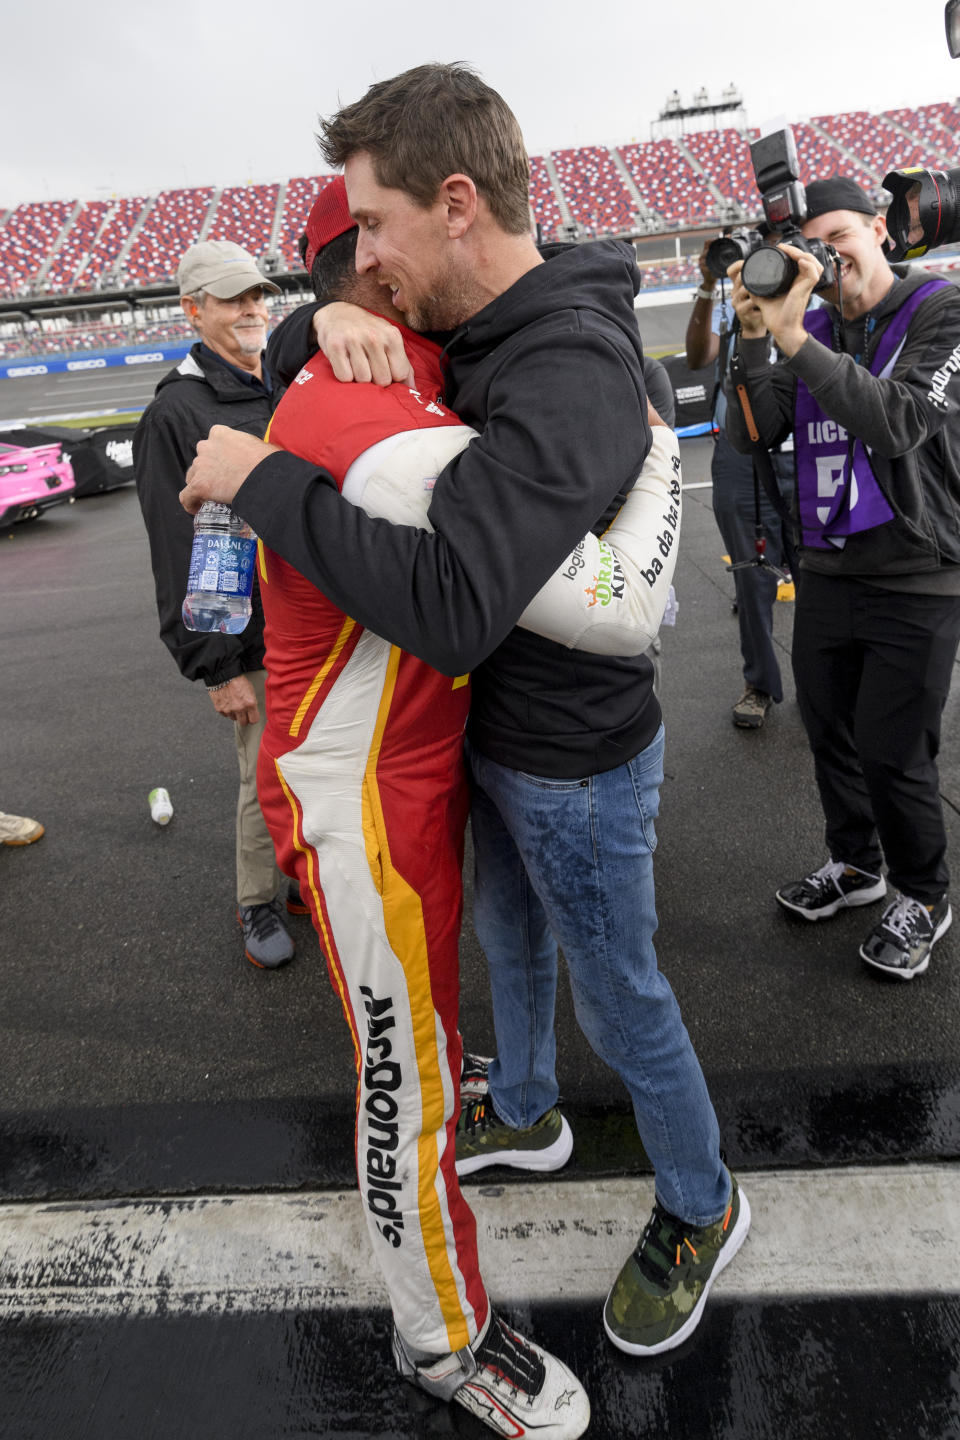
(594, 190)
(669, 272)
(26, 239)
(113, 237)
(298, 200)
(543, 199)
(593, 187)
(245, 214)
(724, 156)
(935, 125)
(668, 182)
(76, 245)
(819, 157)
(174, 223)
(876, 143)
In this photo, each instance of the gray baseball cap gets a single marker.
(222, 269)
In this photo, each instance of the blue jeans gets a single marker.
(571, 862)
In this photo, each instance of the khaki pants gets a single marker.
(258, 878)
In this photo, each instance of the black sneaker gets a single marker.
(907, 932)
(474, 1077)
(509, 1383)
(829, 889)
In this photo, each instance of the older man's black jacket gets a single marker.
(197, 394)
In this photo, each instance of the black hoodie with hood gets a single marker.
(550, 374)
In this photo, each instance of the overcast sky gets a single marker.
(116, 96)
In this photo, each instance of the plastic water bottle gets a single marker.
(221, 571)
(161, 806)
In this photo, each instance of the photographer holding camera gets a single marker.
(740, 506)
(867, 383)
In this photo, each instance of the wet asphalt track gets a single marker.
(141, 1056)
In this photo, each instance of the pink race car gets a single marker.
(31, 479)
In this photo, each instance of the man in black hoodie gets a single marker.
(566, 751)
(868, 387)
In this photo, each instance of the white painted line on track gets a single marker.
(19, 420)
(65, 391)
(858, 1231)
(45, 408)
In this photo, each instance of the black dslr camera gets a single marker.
(731, 246)
(925, 209)
(766, 269)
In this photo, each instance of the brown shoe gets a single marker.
(751, 709)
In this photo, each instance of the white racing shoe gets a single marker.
(509, 1383)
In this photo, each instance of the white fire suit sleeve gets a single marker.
(609, 595)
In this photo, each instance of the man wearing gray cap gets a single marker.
(221, 382)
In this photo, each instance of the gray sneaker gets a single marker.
(19, 829)
(265, 939)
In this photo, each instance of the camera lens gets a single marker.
(768, 271)
(721, 254)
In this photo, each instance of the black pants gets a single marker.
(734, 507)
(873, 670)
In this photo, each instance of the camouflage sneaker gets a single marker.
(751, 709)
(657, 1299)
(484, 1139)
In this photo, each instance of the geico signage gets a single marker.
(27, 370)
(87, 364)
(143, 359)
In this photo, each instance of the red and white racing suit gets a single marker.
(363, 790)
(362, 784)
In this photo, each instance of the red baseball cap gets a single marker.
(329, 218)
